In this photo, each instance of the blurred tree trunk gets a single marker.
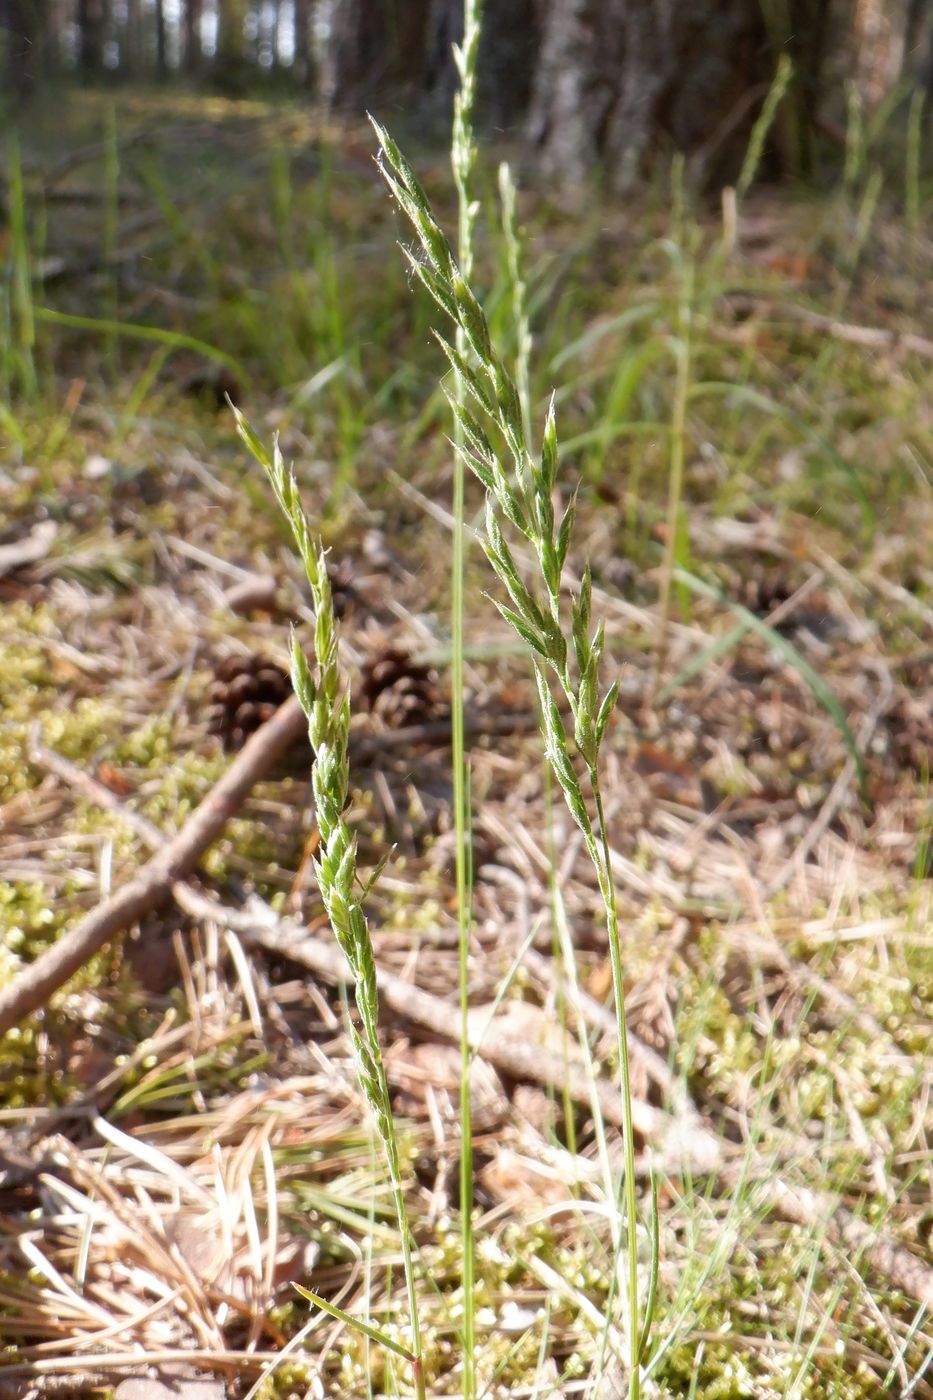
(191, 29)
(384, 48)
(230, 61)
(22, 31)
(880, 34)
(608, 85)
(160, 38)
(131, 39)
(509, 45)
(303, 67)
(376, 46)
(617, 80)
(91, 35)
(274, 30)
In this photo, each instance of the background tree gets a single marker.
(22, 35)
(91, 21)
(617, 78)
(595, 86)
(191, 47)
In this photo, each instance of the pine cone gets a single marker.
(400, 691)
(246, 691)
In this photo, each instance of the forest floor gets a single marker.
(183, 1135)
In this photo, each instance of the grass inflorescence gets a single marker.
(325, 699)
(520, 490)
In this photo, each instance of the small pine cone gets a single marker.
(400, 691)
(246, 691)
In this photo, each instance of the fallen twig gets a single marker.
(872, 337)
(177, 857)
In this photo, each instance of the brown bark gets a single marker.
(302, 67)
(160, 37)
(33, 986)
(619, 79)
(132, 41)
(91, 35)
(376, 47)
(230, 58)
(191, 29)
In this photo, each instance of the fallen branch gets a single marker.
(676, 1142)
(177, 857)
(871, 337)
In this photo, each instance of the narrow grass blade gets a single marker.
(357, 1323)
(177, 340)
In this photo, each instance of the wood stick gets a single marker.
(676, 1141)
(35, 984)
(872, 337)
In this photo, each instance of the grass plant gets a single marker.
(325, 700)
(520, 491)
(20, 329)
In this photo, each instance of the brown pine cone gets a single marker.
(400, 691)
(246, 691)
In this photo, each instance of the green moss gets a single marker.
(289, 1381)
(26, 919)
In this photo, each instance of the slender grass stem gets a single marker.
(607, 885)
(463, 156)
(521, 490)
(19, 358)
(675, 481)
